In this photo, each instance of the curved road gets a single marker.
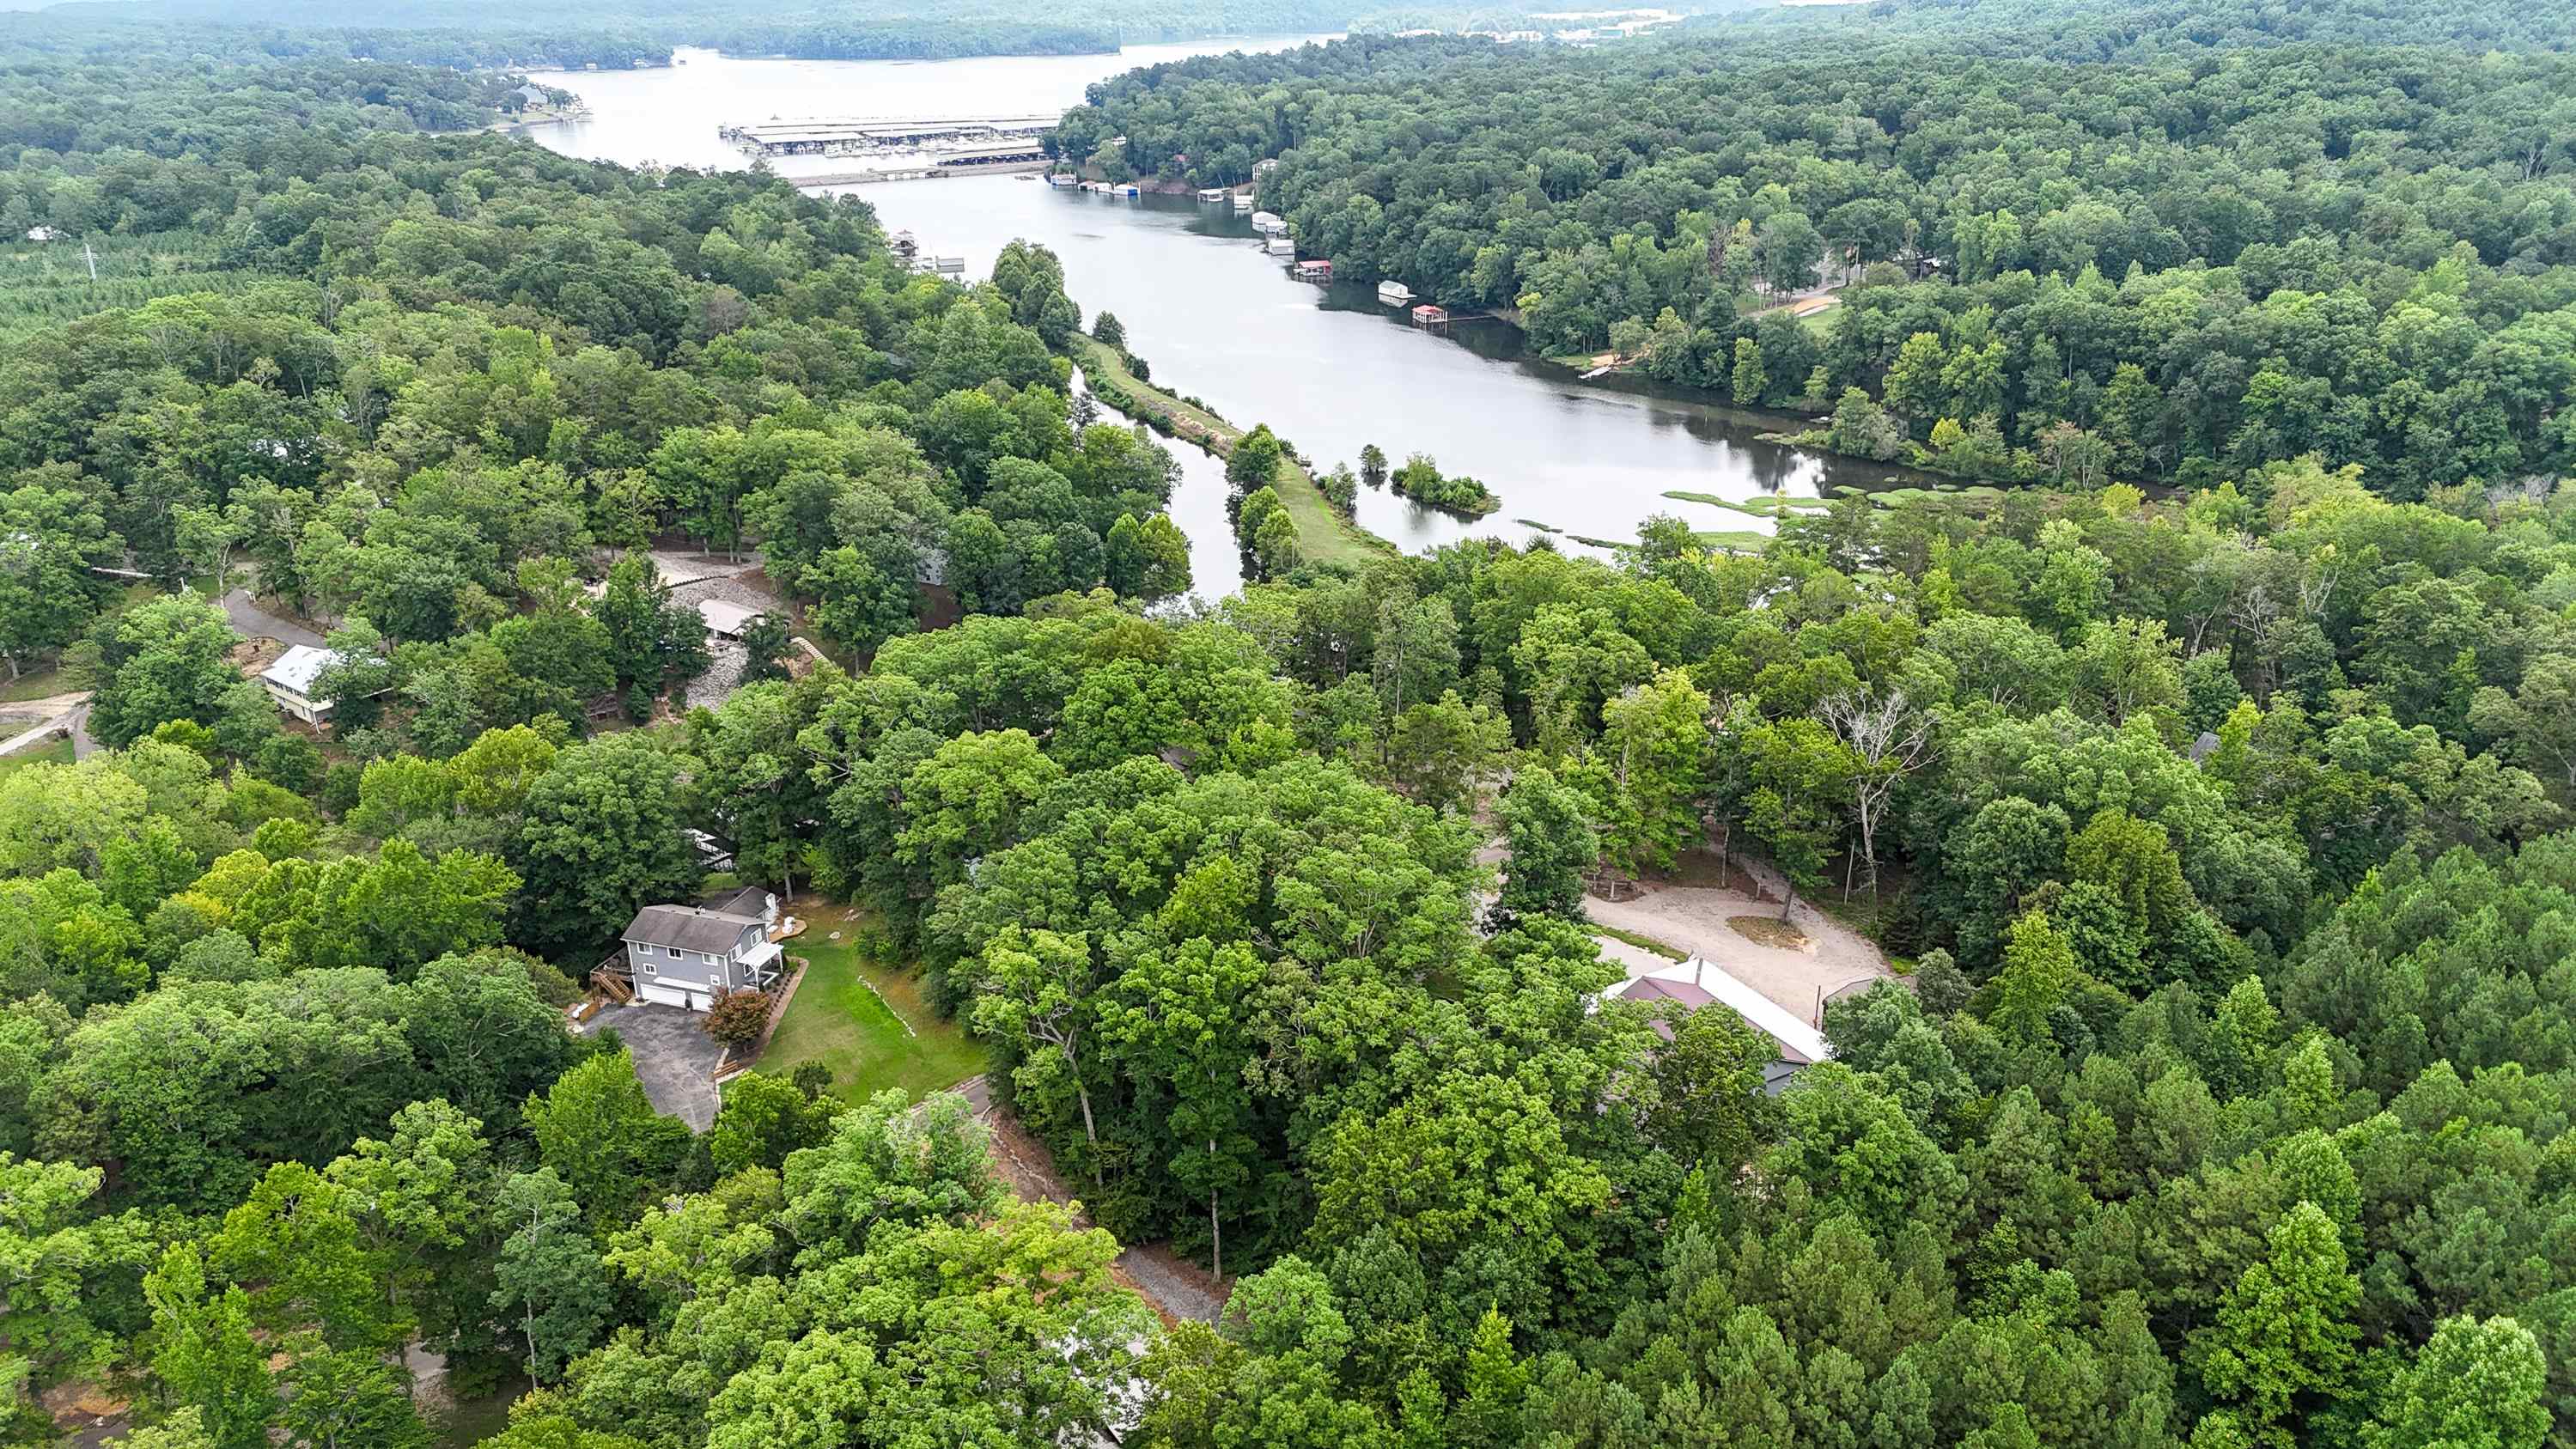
(257, 622)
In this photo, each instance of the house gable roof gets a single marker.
(1699, 982)
(299, 668)
(691, 928)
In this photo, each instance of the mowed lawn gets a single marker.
(54, 752)
(852, 1017)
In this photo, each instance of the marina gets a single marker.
(1261, 336)
(854, 136)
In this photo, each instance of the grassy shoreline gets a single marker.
(1322, 534)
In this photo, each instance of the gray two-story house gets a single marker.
(688, 956)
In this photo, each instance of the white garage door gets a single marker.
(664, 994)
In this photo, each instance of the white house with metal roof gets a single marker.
(1697, 983)
(291, 680)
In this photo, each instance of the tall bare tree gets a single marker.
(1891, 740)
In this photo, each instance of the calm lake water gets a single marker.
(1329, 369)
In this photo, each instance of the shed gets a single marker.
(726, 620)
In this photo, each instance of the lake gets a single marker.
(1329, 369)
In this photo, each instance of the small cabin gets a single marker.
(725, 620)
(1394, 293)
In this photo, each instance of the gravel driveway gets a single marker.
(1693, 918)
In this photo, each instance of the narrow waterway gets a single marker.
(1329, 369)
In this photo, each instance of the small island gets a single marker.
(1420, 480)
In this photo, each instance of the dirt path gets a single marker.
(55, 714)
(1693, 918)
(1176, 1287)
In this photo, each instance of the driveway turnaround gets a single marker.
(674, 1058)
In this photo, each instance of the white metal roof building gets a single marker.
(291, 680)
(1698, 982)
(725, 619)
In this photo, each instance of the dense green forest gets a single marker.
(475, 33)
(2176, 263)
(2223, 834)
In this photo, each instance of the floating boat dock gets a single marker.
(1394, 294)
(858, 135)
(992, 159)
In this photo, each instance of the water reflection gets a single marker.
(1330, 369)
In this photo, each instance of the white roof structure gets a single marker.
(725, 618)
(298, 668)
(1697, 982)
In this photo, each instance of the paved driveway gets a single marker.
(674, 1058)
(257, 623)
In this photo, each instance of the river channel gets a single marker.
(1328, 368)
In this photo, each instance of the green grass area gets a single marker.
(1642, 942)
(1760, 505)
(58, 752)
(1732, 540)
(1322, 534)
(866, 1022)
(35, 684)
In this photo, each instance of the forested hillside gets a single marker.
(2221, 837)
(2177, 262)
(581, 33)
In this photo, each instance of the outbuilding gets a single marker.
(725, 620)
